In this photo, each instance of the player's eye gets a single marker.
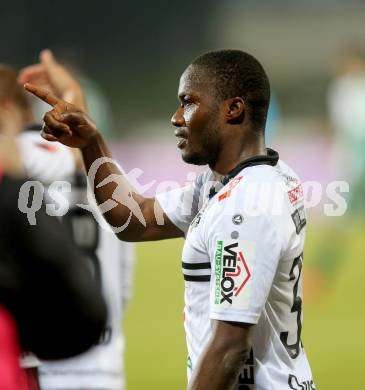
(186, 100)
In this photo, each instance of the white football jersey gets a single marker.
(43, 160)
(112, 262)
(242, 262)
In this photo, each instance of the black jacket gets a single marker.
(45, 282)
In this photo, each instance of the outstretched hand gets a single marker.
(65, 123)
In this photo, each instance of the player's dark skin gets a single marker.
(210, 131)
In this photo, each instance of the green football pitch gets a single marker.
(334, 318)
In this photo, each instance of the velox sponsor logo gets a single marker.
(233, 271)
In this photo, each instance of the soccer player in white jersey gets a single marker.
(101, 367)
(243, 253)
(111, 260)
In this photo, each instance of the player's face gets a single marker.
(196, 121)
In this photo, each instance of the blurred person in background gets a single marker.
(11, 375)
(346, 107)
(39, 161)
(50, 303)
(242, 332)
(110, 259)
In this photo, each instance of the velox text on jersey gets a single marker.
(233, 273)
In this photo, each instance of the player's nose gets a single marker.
(177, 119)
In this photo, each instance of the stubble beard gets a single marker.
(209, 151)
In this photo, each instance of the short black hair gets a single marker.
(239, 74)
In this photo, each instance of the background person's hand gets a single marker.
(65, 123)
(54, 77)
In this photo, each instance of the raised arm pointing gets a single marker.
(69, 125)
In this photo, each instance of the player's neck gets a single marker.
(232, 155)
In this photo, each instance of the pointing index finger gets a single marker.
(46, 96)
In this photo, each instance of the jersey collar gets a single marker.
(271, 158)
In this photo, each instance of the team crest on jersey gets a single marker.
(233, 273)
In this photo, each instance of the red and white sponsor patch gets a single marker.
(296, 194)
(231, 185)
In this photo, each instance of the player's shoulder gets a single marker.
(264, 180)
(281, 172)
(261, 199)
(286, 173)
(259, 190)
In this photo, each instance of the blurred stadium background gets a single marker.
(131, 55)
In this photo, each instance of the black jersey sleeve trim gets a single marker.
(196, 265)
(197, 278)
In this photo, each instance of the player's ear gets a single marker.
(235, 110)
